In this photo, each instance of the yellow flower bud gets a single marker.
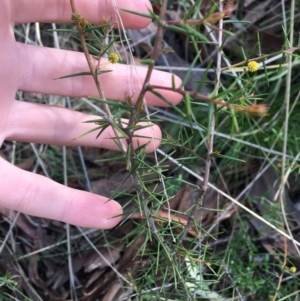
(253, 66)
(293, 269)
(76, 17)
(113, 58)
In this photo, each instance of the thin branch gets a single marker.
(254, 109)
(233, 282)
(201, 192)
(135, 112)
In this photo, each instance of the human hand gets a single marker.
(32, 68)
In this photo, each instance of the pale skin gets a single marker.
(32, 68)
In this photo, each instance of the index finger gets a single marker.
(53, 11)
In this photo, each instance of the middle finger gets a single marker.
(39, 66)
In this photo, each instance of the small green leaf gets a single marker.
(83, 74)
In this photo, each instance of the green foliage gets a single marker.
(8, 287)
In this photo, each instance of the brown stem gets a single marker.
(199, 198)
(155, 53)
(255, 109)
(135, 111)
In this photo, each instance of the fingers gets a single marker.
(60, 126)
(36, 195)
(53, 11)
(40, 66)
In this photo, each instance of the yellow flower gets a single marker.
(293, 269)
(113, 58)
(253, 66)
